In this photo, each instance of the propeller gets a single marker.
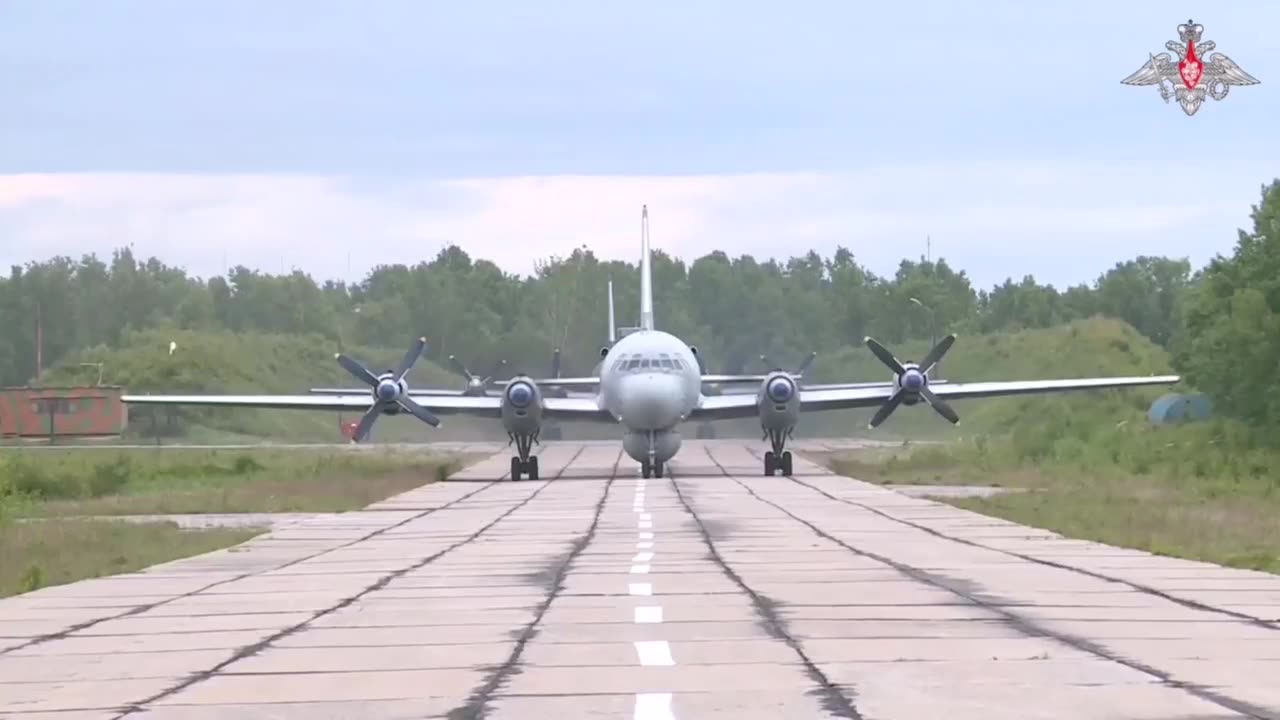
(389, 390)
(912, 379)
(476, 385)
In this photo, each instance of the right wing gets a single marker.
(719, 407)
(564, 382)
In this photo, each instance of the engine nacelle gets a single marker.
(778, 401)
(387, 390)
(666, 444)
(522, 406)
(913, 381)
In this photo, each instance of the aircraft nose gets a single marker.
(651, 401)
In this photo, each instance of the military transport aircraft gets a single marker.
(650, 382)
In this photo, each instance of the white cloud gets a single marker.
(1063, 223)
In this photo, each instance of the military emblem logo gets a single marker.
(1193, 73)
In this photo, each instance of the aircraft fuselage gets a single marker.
(650, 383)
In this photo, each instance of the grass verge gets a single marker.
(1205, 492)
(39, 554)
(61, 488)
(123, 482)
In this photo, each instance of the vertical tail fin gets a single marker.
(646, 273)
(613, 326)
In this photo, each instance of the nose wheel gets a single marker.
(648, 469)
(778, 459)
(523, 463)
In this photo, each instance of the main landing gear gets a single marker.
(777, 459)
(523, 464)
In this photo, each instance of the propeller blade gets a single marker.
(459, 367)
(936, 354)
(555, 364)
(885, 356)
(418, 411)
(410, 358)
(805, 365)
(497, 368)
(361, 372)
(366, 423)
(886, 409)
(940, 405)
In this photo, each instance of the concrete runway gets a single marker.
(714, 594)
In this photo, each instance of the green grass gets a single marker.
(40, 554)
(1206, 492)
(119, 482)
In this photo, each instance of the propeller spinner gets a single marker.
(389, 390)
(912, 380)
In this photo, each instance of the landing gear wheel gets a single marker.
(645, 470)
(657, 469)
(770, 463)
(516, 468)
(786, 463)
(531, 468)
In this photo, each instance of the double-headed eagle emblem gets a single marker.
(1194, 73)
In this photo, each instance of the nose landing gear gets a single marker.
(523, 464)
(777, 459)
(652, 466)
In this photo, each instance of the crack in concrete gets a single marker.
(476, 705)
(139, 609)
(1023, 624)
(251, 650)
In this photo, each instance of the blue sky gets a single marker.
(288, 133)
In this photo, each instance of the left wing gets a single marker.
(1155, 71)
(828, 398)
(581, 408)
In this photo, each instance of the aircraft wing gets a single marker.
(573, 408)
(819, 398)
(564, 382)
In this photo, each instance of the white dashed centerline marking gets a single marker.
(654, 652)
(646, 524)
(639, 569)
(653, 706)
(644, 545)
(640, 588)
(642, 557)
(649, 614)
(646, 536)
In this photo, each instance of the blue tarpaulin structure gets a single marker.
(1176, 408)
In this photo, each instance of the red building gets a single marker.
(39, 412)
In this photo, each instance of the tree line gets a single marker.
(1220, 322)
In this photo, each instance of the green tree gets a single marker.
(1231, 342)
